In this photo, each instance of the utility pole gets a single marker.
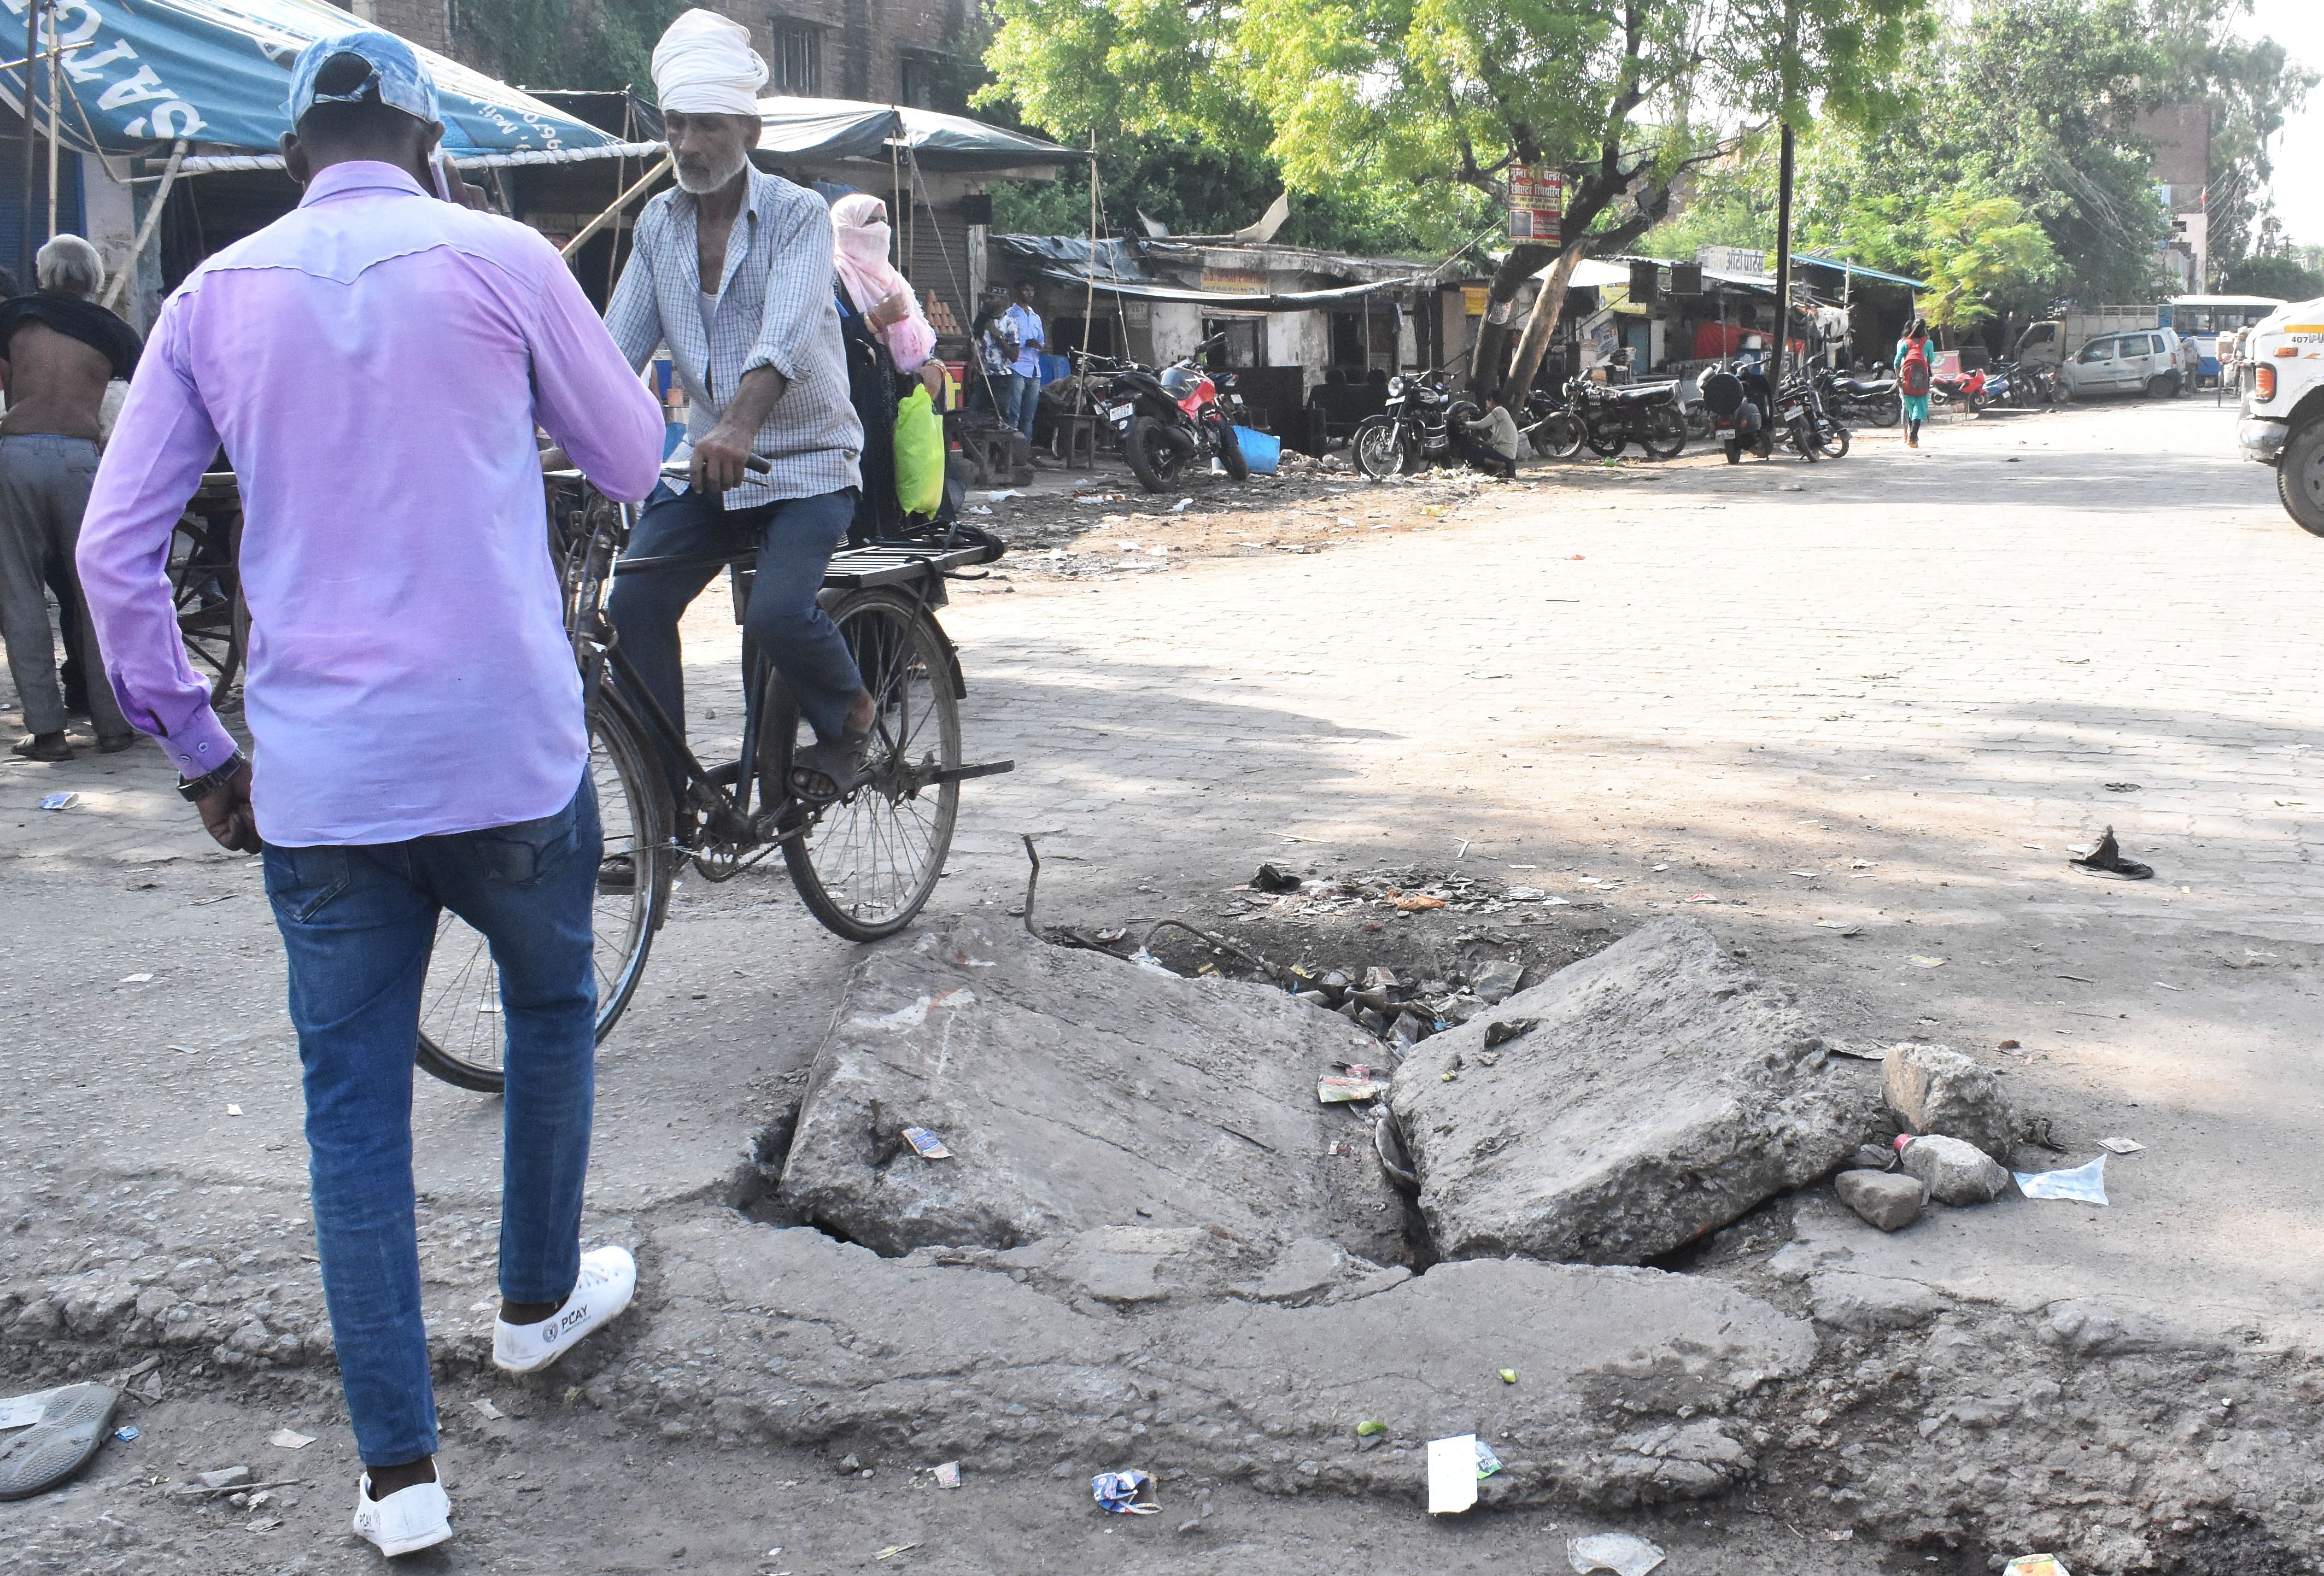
(1783, 264)
(56, 58)
(24, 198)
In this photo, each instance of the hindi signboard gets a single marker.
(1537, 203)
(1731, 258)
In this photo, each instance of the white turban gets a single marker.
(704, 65)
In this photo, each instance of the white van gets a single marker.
(2145, 362)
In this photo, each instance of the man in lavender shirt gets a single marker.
(375, 363)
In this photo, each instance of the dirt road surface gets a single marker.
(1850, 715)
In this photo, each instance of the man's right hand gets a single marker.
(227, 813)
(719, 460)
(722, 455)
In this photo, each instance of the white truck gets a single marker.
(2283, 410)
(2055, 339)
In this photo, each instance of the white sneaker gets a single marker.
(609, 1278)
(418, 1517)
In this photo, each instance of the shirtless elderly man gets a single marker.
(58, 351)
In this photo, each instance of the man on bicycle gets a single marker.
(732, 272)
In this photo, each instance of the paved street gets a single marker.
(1887, 692)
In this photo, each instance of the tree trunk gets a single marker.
(1525, 259)
(1548, 308)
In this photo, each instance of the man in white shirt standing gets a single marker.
(1024, 377)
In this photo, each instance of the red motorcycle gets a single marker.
(1966, 390)
(1163, 419)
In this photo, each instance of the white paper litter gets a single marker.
(290, 1438)
(1618, 1552)
(1452, 1474)
(23, 1411)
(2082, 1184)
(2121, 1146)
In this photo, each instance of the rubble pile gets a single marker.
(1623, 1108)
(1069, 1090)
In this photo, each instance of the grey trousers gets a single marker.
(44, 485)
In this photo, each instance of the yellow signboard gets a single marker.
(1234, 281)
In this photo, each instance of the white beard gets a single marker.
(703, 185)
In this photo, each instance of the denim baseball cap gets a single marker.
(397, 77)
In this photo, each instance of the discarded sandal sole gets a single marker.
(2106, 860)
(1387, 1138)
(72, 1427)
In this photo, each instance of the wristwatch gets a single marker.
(210, 781)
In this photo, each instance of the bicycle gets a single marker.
(864, 864)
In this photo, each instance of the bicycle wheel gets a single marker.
(206, 586)
(867, 864)
(460, 1031)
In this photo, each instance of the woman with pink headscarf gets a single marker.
(859, 224)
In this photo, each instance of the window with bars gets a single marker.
(795, 64)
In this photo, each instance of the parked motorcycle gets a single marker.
(1163, 418)
(2034, 385)
(1613, 417)
(1965, 389)
(1552, 429)
(1421, 425)
(1741, 405)
(1822, 423)
(1850, 398)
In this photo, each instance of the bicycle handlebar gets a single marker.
(757, 464)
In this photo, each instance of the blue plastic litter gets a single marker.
(1127, 1493)
(125, 1433)
(1260, 451)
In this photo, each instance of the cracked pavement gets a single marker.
(1887, 698)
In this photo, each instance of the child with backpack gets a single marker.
(1914, 369)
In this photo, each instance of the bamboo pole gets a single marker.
(615, 211)
(24, 198)
(53, 60)
(145, 230)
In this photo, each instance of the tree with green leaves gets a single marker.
(2286, 279)
(1972, 247)
(1443, 98)
(2248, 87)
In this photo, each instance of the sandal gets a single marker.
(831, 769)
(72, 1427)
(2106, 859)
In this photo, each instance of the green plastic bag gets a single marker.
(919, 453)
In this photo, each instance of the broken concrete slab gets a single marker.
(1012, 1360)
(1661, 1094)
(1934, 1089)
(1885, 1199)
(1955, 1171)
(1864, 1302)
(1076, 1091)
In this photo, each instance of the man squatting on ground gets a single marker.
(733, 271)
(59, 350)
(376, 363)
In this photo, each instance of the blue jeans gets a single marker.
(1023, 394)
(783, 622)
(358, 923)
